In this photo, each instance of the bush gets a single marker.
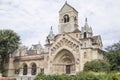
(80, 76)
(117, 77)
(97, 66)
(14, 79)
(40, 76)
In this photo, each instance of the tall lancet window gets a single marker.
(66, 18)
(34, 69)
(25, 68)
(85, 35)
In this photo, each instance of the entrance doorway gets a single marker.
(67, 69)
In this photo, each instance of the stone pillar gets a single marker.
(37, 70)
(21, 72)
(29, 72)
(10, 67)
(77, 62)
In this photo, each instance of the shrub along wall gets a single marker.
(97, 66)
(80, 76)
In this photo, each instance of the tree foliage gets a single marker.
(97, 66)
(114, 47)
(9, 41)
(113, 56)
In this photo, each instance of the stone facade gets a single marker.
(64, 53)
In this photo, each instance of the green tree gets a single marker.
(9, 41)
(113, 56)
(97, 66)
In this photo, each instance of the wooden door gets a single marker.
(67, 69)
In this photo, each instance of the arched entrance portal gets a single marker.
(64, 62)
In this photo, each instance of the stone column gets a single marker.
(21, 72)
(10, 67)
(77, 62)
(29, 72)
(37, 70)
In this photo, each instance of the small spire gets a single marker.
(86, 24)
(86, 19)
(39, 42)
(66, 2)
(51, 28)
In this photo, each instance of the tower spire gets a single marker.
(51, 28)
(86, 19)
(66, 1)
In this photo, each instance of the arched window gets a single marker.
(33, 70)
(25, 68)
(85, 35)
(66, 18)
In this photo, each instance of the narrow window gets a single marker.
(33, 70)
(66, 18)
(25, 69)
(85, 35)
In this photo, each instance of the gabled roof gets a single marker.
(76, 31)
(69, 6)
(67, 37)
(33, 57)
(73, 38)
(95, 38)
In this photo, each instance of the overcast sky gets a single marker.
(32, 19)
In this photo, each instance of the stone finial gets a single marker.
(86, 19)
(66, 1)
(51, 28)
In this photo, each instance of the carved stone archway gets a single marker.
(63, 62)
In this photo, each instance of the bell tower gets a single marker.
(68, 19)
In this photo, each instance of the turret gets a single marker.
(50, 37)
(86, 30)
(49, 40)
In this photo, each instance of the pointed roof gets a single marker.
(95, 38)
(86, 24)
(76, 31)
(51, 32)
(69, 6)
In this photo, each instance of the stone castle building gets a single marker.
(64, 53)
